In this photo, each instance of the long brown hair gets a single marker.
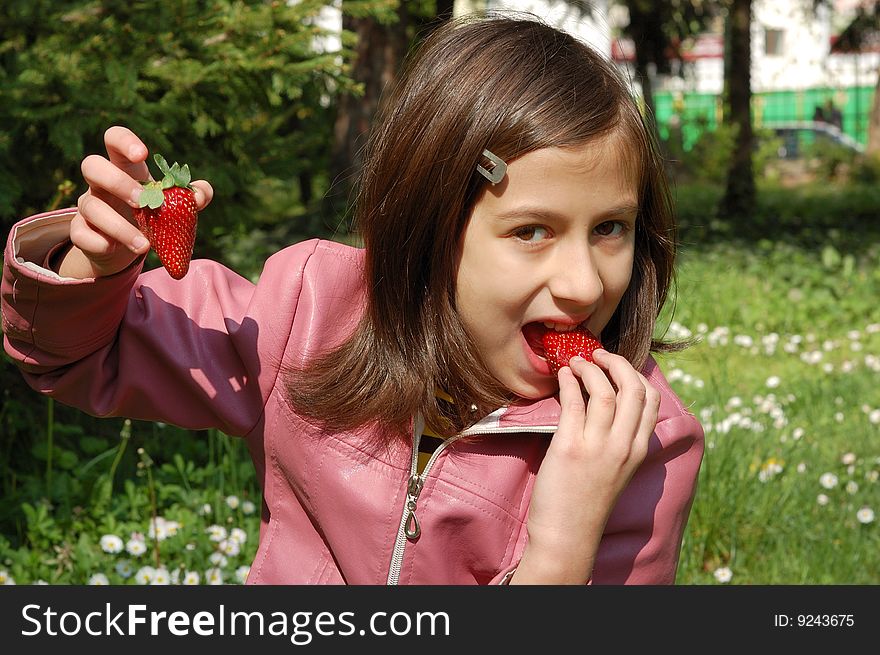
(510, 85)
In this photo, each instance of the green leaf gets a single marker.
(161, 163)
(152, 197)
(184, 177)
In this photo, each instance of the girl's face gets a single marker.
(552, 243)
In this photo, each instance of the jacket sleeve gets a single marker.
(199, 352)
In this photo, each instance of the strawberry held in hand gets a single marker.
(167, 216)
(560, 347)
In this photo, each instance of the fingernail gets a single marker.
(577, 359)
(135, 198)
(139, 243)
(600, 351)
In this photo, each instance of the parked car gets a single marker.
(798, 136)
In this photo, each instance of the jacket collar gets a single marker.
(520, 416)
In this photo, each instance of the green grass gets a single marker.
(803, 310)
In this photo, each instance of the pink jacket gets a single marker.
(205, 352)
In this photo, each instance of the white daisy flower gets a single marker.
(99, 579)
(232, 502)
(205, 509)
(218, 559)
(124, 568)
(136, 547)
(214, 576)
(852, 487)
(160, 577)
(112, 544)
(238, 535)
(5, 578)
(216, 532)
(230, 547)
(723, 574)
(158, 531)
(822, 499)
(773, 381)
(848, 458)
(145, 575)
(191, 578)
(828, 480)
(865, 515)
(248, 507)
(241, 573)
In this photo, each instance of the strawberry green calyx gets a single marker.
(172, 176)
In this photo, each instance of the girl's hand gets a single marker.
(591, 458)
(104, 234)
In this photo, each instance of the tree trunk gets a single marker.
(643, 73)
(647, 39)
(378, 54)
(739, 197)
(873, 146)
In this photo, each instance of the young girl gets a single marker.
(510, 188)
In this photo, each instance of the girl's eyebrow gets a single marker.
(542, 213)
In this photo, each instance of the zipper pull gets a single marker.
(413, 488)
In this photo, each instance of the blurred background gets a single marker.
(769, 119)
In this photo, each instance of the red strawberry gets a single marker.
(167, 216)
(560, 347)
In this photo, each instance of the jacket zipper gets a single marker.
(409, 528)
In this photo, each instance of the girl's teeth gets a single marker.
(559, 327)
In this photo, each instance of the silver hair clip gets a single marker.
(498, 171)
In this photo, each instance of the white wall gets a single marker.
(589, 26)
(805, 60)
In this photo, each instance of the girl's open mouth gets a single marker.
(534, 334)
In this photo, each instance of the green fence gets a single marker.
(698, 112)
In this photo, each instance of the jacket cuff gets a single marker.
(33, 242)
(84, 313)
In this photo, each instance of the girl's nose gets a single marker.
(575, 278)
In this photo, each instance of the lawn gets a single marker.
(784, 377)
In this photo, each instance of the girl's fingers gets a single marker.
(127, 152)
(631, 390)
(649, 417)
(204, 193)
(106, 180)
(571, 401)
(602, 403)
(103, 227)
(103, 177)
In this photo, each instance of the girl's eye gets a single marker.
(611, 228)
(531, 233)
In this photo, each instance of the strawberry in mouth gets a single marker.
(558, 347)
